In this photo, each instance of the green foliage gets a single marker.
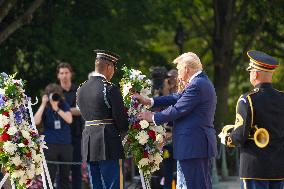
(142, 33)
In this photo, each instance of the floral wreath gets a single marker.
(20, 143)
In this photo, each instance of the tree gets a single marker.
(19, 18)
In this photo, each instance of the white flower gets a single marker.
(159, 129)
(21, 145)
(16, 160)
(30, 173)
(141, 77)
(23, 179)
(9, 147)
(143, 162)
(145, 92)
(158, 158)
(17, 174)
(149, 82)
(134, 73)
(159, 138)
(26, 134)
(142, 137)
(126, 88)
(12, 130)
(4, 120)
(38, 170)
(144, 124)
(37, 158)
(2, 91)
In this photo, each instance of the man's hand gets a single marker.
(145, 116)
(44, 100)
(142, 100)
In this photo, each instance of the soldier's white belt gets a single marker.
(99, 122)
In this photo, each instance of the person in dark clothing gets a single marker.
(55, 115)
(259, 127)
(64, 75)
(101, 104)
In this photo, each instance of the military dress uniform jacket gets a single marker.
(100, 101)
(263, 107)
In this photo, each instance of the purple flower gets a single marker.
(2, 102)
(18, 117)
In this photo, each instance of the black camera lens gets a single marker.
(54, 97)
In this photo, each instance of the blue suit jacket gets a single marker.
(192, 113)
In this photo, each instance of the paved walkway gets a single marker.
(231, 183)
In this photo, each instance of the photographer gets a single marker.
(55, 115)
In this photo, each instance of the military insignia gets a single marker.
(239, 121)
(255, 90)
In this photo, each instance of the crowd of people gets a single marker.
(87, 124)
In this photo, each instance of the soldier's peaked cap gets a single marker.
(107, 55)
(261, 61)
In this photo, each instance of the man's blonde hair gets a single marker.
(189, 59)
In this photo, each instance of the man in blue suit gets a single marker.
(192, 112)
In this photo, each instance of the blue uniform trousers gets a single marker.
(262, 184)
(197, 173)
(105, 174)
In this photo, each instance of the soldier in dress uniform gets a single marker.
(259, 127)
(101, 105)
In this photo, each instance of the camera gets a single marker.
(54, 97)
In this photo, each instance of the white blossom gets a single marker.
(141, 77)
(37, 158)
(2, 91)
(26, 134)
(23, 179)
(142, 137)
(159, 129)
(145, 92)
(17, 160)
(159, 138)
(18, 173)
(4, 120)
(144, 124)
(143, 162)
(38, 170)
(126, 88)
(30, 173)
(21, 145)
(12, 130)
(9, 147)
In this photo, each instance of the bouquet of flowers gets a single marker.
(20, 143)
(143, 140)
